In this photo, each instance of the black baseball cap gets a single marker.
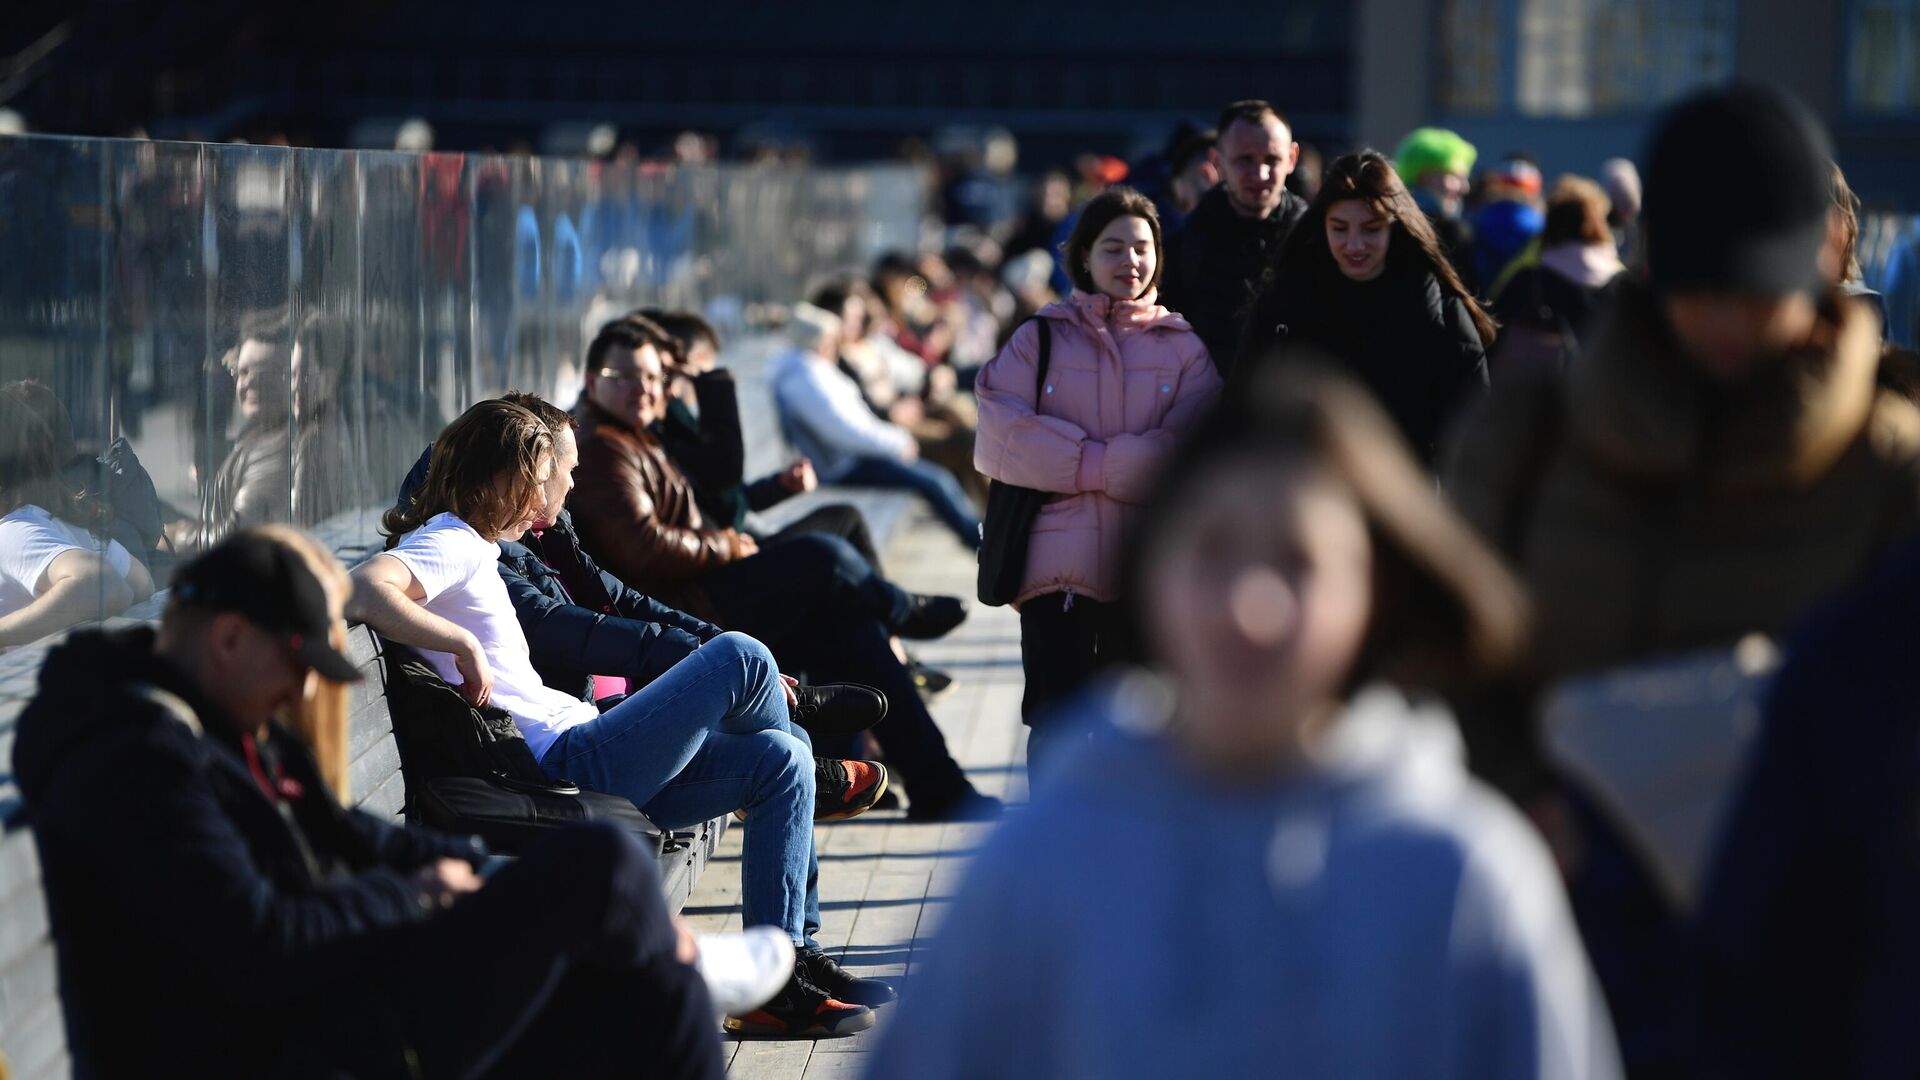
(268, 582)
(1739, 185)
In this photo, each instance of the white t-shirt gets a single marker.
(30, 539)
(454, 564)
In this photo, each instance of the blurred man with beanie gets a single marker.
(1719, 462)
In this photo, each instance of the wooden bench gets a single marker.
(32, 1036)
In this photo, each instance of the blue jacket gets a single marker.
(1380, 916)
(1809, 944)
(193, 917)
(581, 621)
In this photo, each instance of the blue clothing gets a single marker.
(711, 736)
(1809, 944)
(1381, 916)
(936, 485)
(1900, 284)
(1502, 229)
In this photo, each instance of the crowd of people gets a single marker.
(1460, 619)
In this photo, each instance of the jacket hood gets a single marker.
(1382, 737)
(1641, 408)
(1589, 266)
(1095, 310)
(81, 698)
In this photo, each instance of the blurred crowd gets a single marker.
(1462, 614)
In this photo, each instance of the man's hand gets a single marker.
(799, 477)
(790, 684)
(744, 545)
(911, 454)
(446, 880)
(476, 678)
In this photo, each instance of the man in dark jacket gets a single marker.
(217, 912)
(1215, 263)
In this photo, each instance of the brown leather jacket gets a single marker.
(637, 516)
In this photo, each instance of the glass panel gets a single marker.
(1470, 76)
(197, 338)
(1581, 57)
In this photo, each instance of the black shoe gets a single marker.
(804, 1010)
(932, 617)
(932, 683)
(821, 970)
(846, 789)
(969, 805)
(838, 708)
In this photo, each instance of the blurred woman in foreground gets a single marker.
(1269, 859)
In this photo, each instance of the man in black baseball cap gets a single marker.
(218, 913)
(267, 582)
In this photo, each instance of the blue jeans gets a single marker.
(936, 485)
(711, 736)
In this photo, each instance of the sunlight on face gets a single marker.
(1358, 235)
(1122, 260)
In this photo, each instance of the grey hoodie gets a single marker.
(1380, 916)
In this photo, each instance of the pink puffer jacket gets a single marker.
(1126, 379)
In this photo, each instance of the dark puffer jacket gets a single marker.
(194, 918)
(581, 621)
(1214, 265)
(1402, 335)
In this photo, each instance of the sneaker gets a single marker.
(802, 1010)
(932, 617)
(889, 801)
(845, 789)
(743, 971)
(932, 683)
(823, 972)
(969, 805)
(838, 708)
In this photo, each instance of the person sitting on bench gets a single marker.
(711, 735)
(218, 913)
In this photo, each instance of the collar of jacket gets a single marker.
(1096, 310)
(594, 420)
(1215, 212)
(1641, 409)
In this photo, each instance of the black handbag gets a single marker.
(469, 770)
(1008, 524)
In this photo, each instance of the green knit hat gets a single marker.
(1428, 149)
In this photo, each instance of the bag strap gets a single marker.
(1046, 359)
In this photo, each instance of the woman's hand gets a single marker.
(790, 685)
(476, 678)
(799, 477)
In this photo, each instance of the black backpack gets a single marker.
(469, 770)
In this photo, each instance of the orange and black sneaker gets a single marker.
(803, 1010)
(845, 789)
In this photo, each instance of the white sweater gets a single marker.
(825, 415)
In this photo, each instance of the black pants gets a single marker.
(562, 965)
(1063, 645)
(838, 519)
(815, 604)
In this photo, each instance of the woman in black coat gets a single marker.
(1363, 281)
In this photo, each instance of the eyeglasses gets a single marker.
(624, 378)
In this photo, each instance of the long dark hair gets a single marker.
(36, 445)
(1414, 247)
(1445, 609)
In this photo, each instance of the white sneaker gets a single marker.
(745, 970)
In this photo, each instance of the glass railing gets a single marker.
(194, 338)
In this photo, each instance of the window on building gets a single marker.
(1581, 57)
(1883, 74)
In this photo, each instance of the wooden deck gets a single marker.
(883, 880)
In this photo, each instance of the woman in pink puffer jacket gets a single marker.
(1126, 379)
